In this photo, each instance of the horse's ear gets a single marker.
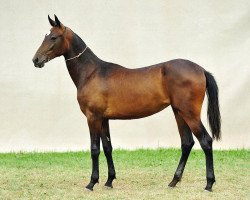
(58, 23)
(52, 23)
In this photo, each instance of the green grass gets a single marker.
(141, 174)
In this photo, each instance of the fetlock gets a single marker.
(210, 182)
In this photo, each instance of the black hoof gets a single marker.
(208, 189)
(109, 181)
(109, 185)
(175, 180)
(210, 183)
(173, 183)
(88, 187)
(91, 185)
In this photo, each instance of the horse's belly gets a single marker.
(135, 107)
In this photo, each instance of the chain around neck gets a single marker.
(77, 55)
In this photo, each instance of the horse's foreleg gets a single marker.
(107, 147)
(95, 131)
(187, 143)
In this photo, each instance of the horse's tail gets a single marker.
(213, 110)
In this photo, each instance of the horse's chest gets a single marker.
(91, 101)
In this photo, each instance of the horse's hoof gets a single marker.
(91, 184)
(89, 188)
(173, 183)
(108, 185)
(208, 189)
(209, 185)
(171, 186)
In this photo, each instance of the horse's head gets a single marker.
(55, 44)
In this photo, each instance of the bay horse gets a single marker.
(109, 91)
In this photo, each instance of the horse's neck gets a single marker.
(80, 68)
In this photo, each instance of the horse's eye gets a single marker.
(53, 38)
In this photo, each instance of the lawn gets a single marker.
(141, 174)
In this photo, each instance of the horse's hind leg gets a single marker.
(205, 141)
(187, 143)
(107, 147)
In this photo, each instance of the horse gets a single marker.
(107, 91)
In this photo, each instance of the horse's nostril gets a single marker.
(35, 60)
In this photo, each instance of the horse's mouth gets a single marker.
(40, 65)
(39, 61)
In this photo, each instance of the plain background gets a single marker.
(38, 107)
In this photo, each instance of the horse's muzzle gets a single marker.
(38, 63)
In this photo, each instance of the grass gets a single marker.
(141, 174)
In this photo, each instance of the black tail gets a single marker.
(213, 110)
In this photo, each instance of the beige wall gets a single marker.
(38, 107)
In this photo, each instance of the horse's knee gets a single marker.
(95, 152)
(107, 150)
